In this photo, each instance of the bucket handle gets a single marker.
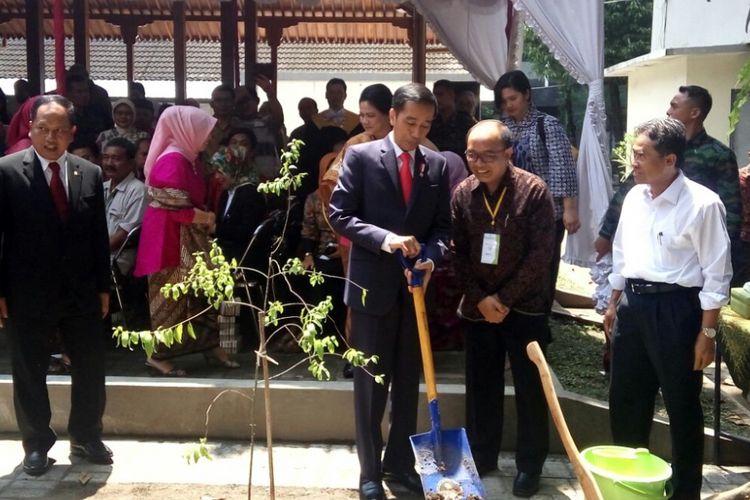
(667, 489)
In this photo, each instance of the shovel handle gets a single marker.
(589, 486)
(424, 342)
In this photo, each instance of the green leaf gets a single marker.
(191, 331)
(178, 333)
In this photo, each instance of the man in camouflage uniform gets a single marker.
(707, 161)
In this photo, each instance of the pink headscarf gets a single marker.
(181, 129)
(17, 137)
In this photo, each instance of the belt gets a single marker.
(643, 287)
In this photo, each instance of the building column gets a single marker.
(229, 47)
(129, 31)
(418, 39)
(250, 16)
(80, 32)
(273, 35)
(35, 46)
(180, 66)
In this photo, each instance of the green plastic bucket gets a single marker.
(628, 473)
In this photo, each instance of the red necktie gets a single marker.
(405, 175)
(57, 189)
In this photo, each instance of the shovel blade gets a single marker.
(453, 476)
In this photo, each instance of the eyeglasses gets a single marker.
(55, 132)
(486, 157)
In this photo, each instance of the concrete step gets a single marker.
(304, 411)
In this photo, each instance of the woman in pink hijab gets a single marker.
(17, 135)
(175, 226)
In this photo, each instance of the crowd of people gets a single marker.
(481, 207)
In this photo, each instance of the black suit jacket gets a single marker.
(48, 267)
(235, 228)
(367, 204)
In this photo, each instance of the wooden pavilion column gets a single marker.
(129, 31)
(35, 46)
(180, 65)
(273, 35)
(251, 40)
(80, 32)
(229, 47)
(418, 38)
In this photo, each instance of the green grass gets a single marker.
(575, 355)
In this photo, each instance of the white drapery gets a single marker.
(474, 31)
(574, 32)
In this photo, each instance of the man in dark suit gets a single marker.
(392, 195)
(54, 277)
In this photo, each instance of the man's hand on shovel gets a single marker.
(426, 266)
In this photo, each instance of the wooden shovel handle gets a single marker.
(590, 488)
(424, 342)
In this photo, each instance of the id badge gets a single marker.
(490, 248)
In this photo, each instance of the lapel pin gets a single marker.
(76, 172)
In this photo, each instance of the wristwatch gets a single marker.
(709, 332)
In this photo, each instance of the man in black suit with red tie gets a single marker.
(392, 194)
(54, 277)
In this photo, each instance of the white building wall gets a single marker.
(650, 88)
(717, 73)
(699, 23)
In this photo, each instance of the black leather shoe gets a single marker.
(371, 490)
(525, 484)
(410, 480)
(36, 463)
(94, 452)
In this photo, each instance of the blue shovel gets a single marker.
(443, 456)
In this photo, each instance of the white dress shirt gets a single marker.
(62, 161)
(398, 151)
(679, 237)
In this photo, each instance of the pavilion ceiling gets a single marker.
(317, 21)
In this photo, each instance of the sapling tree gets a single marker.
(216, 279)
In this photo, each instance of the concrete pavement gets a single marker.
(157, 469)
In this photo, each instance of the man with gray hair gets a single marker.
(670, 277)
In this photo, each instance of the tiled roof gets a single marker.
(331, 21)
(154, 59)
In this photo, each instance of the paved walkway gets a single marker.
(148, 469)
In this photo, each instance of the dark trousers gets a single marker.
(393, 337)
(84, 342)
(486, 345)
(653, 348)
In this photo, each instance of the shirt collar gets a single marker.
(123, 183)
(397, 149)
(45, 162)
(672, 193)
(699, 139)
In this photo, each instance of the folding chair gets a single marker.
(120, 279)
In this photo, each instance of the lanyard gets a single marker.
(493, 211)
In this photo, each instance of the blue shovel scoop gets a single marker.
(443, 456)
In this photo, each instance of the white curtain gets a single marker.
(574, 32)
(474, 31)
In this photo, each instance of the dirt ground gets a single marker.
(73, 491)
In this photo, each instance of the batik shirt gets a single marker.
(707, 162)
(551, 158)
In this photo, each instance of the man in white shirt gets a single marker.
(670, 277)
(124, 198)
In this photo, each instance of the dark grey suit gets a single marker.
(366, 205)
(51, 273)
